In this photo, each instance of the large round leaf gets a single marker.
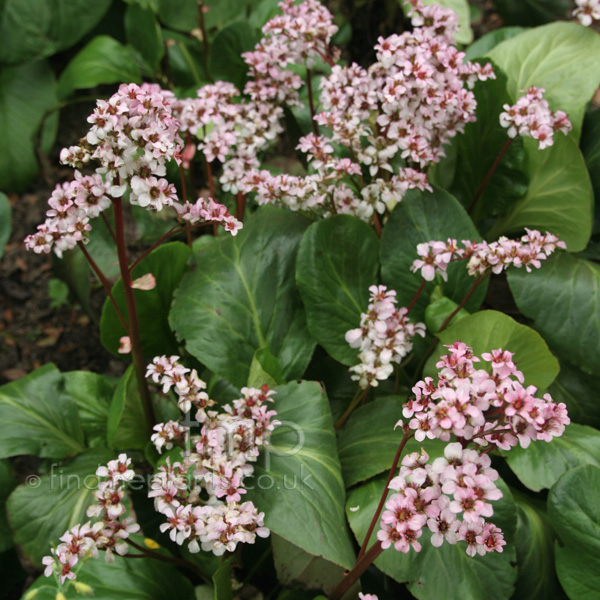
(575, 513)
(298, 481)
(490, 40)
(41, 510)
(489, 330)
(337, 262)
(559, 198)
(168, 264)
(124, 579)
(422, 217)
(26, 93)
(38, 417)
(563, 299)
(143, 33)
(446, 572)
(540, 466)
(34, 29)
(563, 58)
(534, 541)
(242, 297)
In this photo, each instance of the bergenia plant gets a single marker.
(341, 347)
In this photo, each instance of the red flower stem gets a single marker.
(362, 564)
(311, 101)
(480, 279)
(377, 224)
(384, 495)
(240, 206)
(487, 178)
(414, 300)
(134, 327)
(188, 232)
(360, 395)
(110, 229)
(105, 283)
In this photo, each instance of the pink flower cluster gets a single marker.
(434, 496)
(528, 252)
(531, 117)
(587, 11)
(72, 205)
(384, 336)
(300, 35)
(222, 452)
(494, 410)
(109, 533)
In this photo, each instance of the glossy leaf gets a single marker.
(168, 264)
(5, 222)
(477, 150)
(489, 330)
(40, 511)
(143, 33)
(590, 147)
(7, 483)
(298, 481)
(545, 57)
(541, 465)
(241, 297)
(265, 369)
(226, 62)
(93, 395)
(563, 299)
(446, 572)
(531, 12)
(422, 217)
(490, 40)
(575, 513)
(337, 262)
(534, 541)
(579, 391)
(102, 60)
(461, 9)
(26, 93)
(37, 417)
(127, 427)
(222, 582)
(34, 29)
(124, 579)
(559, 198)
(368, 443)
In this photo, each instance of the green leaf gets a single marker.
(575, 514)
(590, 147)
(368, 443)
(26, 93)
(8, 483)
(41, 510)
(35, 29)
(5, 222)
(222, 583)
(439, 310)
(37, 417)
(93, 395)
(334, 279)
(181, 15)
(226, 62)
(74, 270)
(546, 57)
(541, 465)
(127, 427)
(579, 391)
(242, 297)
(298, 482)
(489, 330)
(563, 299)
(534, 541)
(490, 40)
(143, 33)
(168, 264)
(559, 198)
(103, 249)
(477, 150)
(531, 12)
(446, 572)
(146, 4)
(294, 565)
(186, 62)
(102, 60)
(265, 369)
(461, 8)
(124, 579)
(422, 217)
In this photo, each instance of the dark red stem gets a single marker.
(414, 300)
(362, 564)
